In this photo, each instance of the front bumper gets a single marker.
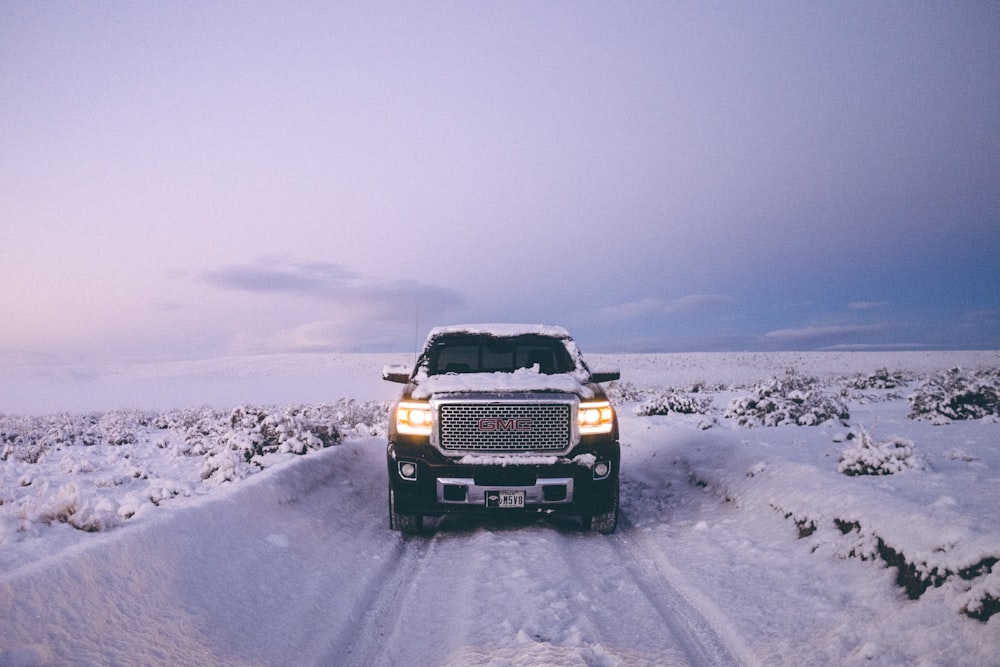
(465, 491)
(583, 483)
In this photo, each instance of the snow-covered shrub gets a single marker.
(93, 471)
(119, 427)
(258, 430)
(793, 399)
(362, 417)
(882, 378)
(75, 507)
(870, 457)
(672, 401)
(226, 466)
(29, 439)
(626, 392)
(982, 600)
(956, 394)
(14, 444)
(250, 430)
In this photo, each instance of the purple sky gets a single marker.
(189, 180)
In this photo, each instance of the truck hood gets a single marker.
(522, 380)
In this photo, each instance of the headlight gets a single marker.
(413, 418)
(596, 417)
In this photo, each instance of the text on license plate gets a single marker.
(505, 498)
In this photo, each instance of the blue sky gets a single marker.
(190, 180)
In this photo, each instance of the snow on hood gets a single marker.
(521, 380)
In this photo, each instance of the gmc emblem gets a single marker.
(517, 424)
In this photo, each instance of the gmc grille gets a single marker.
(505, 427)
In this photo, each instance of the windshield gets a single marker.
(488, 354)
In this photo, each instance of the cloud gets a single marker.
(327, 281)
(982, 318)
(810, 334)
(866, 305)
(168, 306)
(875, 347)
(661, 307)
(320, 279)
(975, 328)
(351, 333)
(356, 313)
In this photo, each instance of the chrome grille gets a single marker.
(505, 427)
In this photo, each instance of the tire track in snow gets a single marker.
(562, 614)
(706, 636)
(416, 607)
(376, 614)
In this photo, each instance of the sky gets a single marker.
(194, 180)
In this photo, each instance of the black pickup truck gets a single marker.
(502, 418)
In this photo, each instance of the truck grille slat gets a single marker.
(505, 427)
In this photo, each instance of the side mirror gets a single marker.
(400, 374)
(605, 375)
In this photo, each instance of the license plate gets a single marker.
(505, 499)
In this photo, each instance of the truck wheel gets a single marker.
(410, 524)
(604, 523)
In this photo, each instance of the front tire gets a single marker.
(606, 522)
(408, 524)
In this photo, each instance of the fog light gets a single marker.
(407, 470)
(602, 469)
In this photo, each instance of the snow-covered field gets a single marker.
(778, 509)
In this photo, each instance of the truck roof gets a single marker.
(501, 330)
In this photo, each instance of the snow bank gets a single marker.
(210, 580)
(941, 545)
(94, 472)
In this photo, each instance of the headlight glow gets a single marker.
(595, 417)
(413, 418)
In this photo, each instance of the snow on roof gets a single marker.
(501, 330)
(521, 380)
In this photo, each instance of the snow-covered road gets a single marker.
(298, 566)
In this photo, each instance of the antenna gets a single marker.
(416, 332)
